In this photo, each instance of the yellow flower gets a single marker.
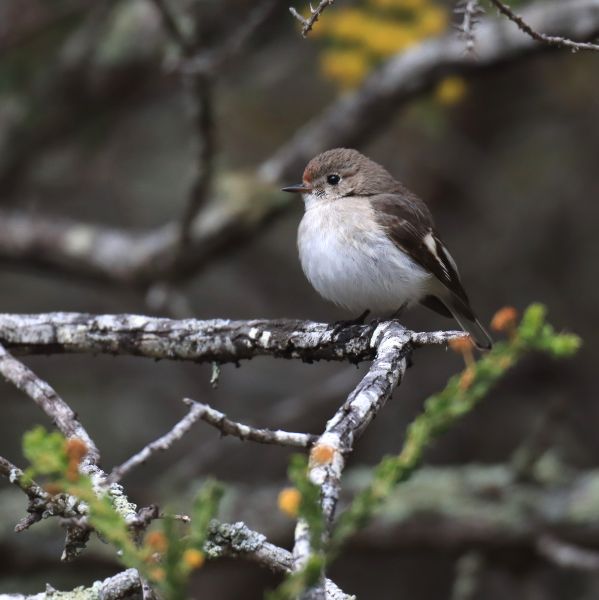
(450, 90)
(347, 67)
(347, 24)
(193, 558)
(289, 501)
(431, 20)
(384, 38)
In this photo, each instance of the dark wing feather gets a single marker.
(409, 224)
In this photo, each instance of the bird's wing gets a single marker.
(409, 224)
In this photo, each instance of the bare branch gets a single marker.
(315, 13)
(48, 400)
(217, 340)
(245, 432)
(161, 444)
(552, 40)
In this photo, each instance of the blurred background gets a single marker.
(97, 126)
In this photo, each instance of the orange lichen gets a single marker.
(289, 501)
(322, 454)
(75, 449)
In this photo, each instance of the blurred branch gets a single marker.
(567, 556)
(358, 116)
(140, 259)
(552, 40)
(210, 60)
(216, 340)
(161, 444)
(171, 24)
(245, 432)
(315, 13)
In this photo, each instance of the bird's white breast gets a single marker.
(350, 261)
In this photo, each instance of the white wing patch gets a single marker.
(431, 243)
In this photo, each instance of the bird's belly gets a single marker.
(359, 268)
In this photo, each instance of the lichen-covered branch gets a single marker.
(327, 458)
(238, 540)
(217, 340)
(126, 584)
(244, 432)
(62, 415)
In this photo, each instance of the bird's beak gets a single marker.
(298, 188)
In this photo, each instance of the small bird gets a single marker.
(367, 243)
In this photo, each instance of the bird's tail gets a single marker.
(467, 320)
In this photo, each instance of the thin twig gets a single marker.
(161, 444)
(315, 13)
(245, 432)
(552, 40)
(47, 399)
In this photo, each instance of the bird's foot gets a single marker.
(341, 325)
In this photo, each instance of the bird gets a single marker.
(367, 243)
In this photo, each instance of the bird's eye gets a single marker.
(333, 179)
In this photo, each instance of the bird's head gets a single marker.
(341, 173)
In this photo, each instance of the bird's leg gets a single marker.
(359, 320)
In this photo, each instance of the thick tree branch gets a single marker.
(217, 340)
(327, 458)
